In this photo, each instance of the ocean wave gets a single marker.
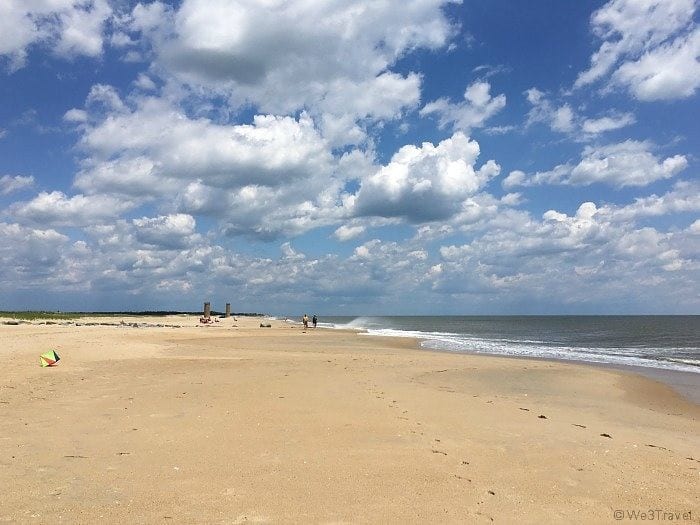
(453, 342)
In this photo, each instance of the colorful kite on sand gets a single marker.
(49, 358)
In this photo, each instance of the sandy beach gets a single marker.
(234, 423)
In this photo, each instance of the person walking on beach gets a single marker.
(314, 320)
(305, 321)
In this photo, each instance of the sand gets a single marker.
(233, 423)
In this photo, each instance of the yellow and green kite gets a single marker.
(49, 358)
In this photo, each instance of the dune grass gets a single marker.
(34, 315)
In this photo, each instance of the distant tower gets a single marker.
(207, 310)
(228, 310)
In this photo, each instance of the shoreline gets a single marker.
(685, 383)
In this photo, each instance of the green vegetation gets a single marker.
(32, 315)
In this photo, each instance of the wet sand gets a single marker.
(233, 423)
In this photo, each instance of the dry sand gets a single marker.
(234, 423)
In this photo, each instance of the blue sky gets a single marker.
(350, 157)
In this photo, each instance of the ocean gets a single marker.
(658, 342)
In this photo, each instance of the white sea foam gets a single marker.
(453, 342)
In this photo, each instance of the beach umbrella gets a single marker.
(49, 358)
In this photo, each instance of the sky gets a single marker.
(350, 157)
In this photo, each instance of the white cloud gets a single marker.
(105, 99)
(81, 29)
(57, 209)
(275, 174)
(671, 71)
(347, 232)
(650, 46)
(542, 110)
(277, 170)
(272, 151)
(168, 231)
(596, 255)
(628, 163)
(75, 116)
(341, 130)
(119, 39)
(593, 256)
(146, 18)
(145, 82)
(564, 119)
(381, 97)
(684, 197)
(30, 257)
(515, 178)
(512, 199)
(337, 58)
(425, 183)
(10, 183)
(135, 178)
(608, 123)
(478, 106)
(71, 27)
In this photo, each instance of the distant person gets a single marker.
(314, 320)
(305, 321)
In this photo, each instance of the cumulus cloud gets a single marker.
(41, 259)
(381, 97)
(170, 231)
(478, 106)
(75, 116)
(515, 178)
(671, 71)
(145, 82)
(71, 27)
(628, 163)
(594, 255)
(586, 257)
(269, 152)
(596, 126)
(337, 59)
(650, 47)
(81, 28)
(57, 209)
(425, 183)
(684, 197)
(10, 184)
(138, 259)
(347, 232)
(275, 174)
(563, 119)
